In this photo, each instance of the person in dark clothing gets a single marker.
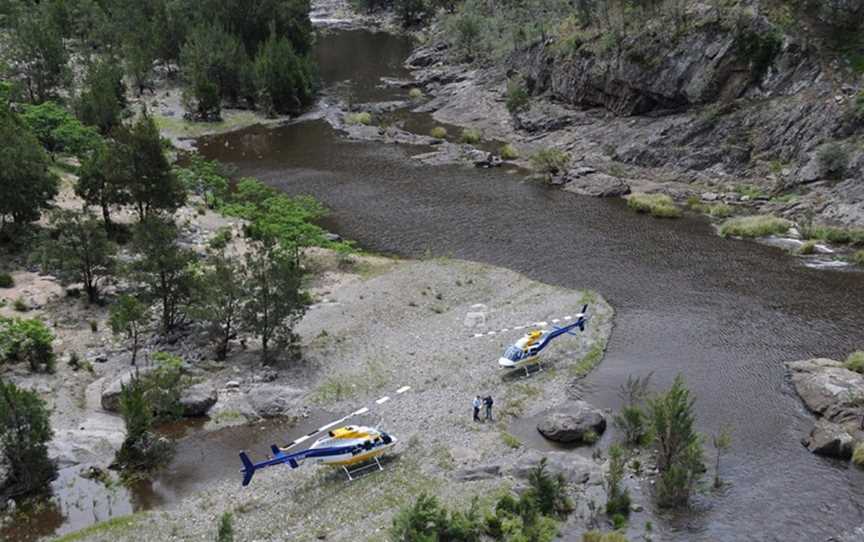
(477, 404)
(488, 402)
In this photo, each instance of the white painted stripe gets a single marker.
(567, 317)
(403, 389)
(328, 426)
(505, 330)
(363, 410)
(555, 320)
(382, 400)
(518, 328)
(542, 324)
(478, 335)
(491, 333)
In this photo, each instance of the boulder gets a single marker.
(111, 394)
(830, 439)
(597, 185)
(196, 400)
(827, 388)
(575, 468)
(480, 472)
(272, 400)
(571, 425)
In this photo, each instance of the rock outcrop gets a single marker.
(272, 400)
(572, 425)
(833, 393)
(196, 400)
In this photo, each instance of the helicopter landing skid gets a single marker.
(539, 366)
(369, 465)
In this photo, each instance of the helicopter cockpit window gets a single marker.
(514, 353)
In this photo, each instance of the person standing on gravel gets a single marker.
(488, 402)
(477, 404)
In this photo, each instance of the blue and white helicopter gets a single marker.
(525, 352)
(351, 447)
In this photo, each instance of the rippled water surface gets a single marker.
(726, 314)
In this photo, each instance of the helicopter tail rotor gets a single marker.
(248, 468)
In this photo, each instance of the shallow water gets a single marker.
(726, 314)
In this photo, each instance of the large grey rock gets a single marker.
(830, 439)
(196, 400)
(272, 400)
(596, 185)
(111, 394)
(827, 388)
(571, 425)
(575, 468)
(479, 472)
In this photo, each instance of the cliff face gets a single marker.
(702, 107)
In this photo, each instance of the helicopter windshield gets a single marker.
(514, 353)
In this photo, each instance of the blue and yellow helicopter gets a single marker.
(525, 352)
(351, 447)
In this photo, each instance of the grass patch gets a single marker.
(337, 388)
(518, 398)
(808, 248)
(855, 362)
(471, 136)
(415, 93)
(858, 455)
(6, 280)
(19, 305)
(439, 132)
(657, 205)
(363, 118)
(858, 258)
(510, 440)
(714, 210)
(750, 191)
(754, 226)
(183, 128)
(113, 526)
(590, 360)
(509, 152)
(831, 234)
(550, 161)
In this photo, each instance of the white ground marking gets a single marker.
(382, 400)
(403, 389)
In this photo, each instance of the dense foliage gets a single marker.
(532, 517)
(217, 45)
(25, 431)
(27, 341)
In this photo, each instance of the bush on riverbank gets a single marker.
(6, 280)
(833, 234)
(550, 161)
(509, 152)
(471, 136)
(858, 258)
(25, 430)
(855, 362)
(597, 536)
(858, 455)
(363, 118)
(755, 226)
(439, 132)
(657, 205)
(807, 248)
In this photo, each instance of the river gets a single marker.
(726, 314)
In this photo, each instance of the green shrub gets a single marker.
(858, 455)
(754, 226)
(858, 258)
(509, 152)
(807, 248)
(363, 118)
(25, 430)
(94, 326)
(597, 536)
(415, 93)
(20, 305)
(517, 96)
(510, 441)
(439, 132)
(855, 362)
(720, 210)
(226, 528)
(833, 160)
(657, 205)
(590, 437)
(471, 136)
(550, 161)
(617, 498)
(27, 341)
(6, 280)
(141, 449)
